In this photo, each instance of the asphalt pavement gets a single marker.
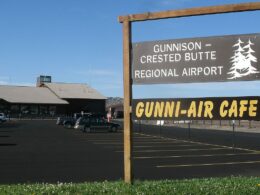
(40, 151)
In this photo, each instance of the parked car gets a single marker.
(2, 117)
(69, 122)
(60, 120)
(88, 124)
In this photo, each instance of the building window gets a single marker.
(43, 110)
(34, 109)
(3, 108)
(25, 109)
(15, 109)
(52, 110)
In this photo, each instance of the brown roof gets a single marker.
(74, 91)
(33, 95)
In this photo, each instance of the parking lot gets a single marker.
(41, 151)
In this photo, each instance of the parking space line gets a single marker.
(206, 149)
(151, 140)
(143, 137)
(118, 141)
(207, 164)
(215, 145)
(181, 145)
(90, 135)
(140, 142)
(139, 146)
(191, 156)
(100, 140)
(155, 142)
(135, 143)
(108, 143)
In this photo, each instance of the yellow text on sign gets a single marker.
(238, 108)
(169, 109)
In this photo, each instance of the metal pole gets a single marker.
(160, 132)
(139, 127)
(127, 102)
(233, 135)
(189, 129)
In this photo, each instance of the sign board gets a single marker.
(212, 59)
(148, 73)
(212, 108)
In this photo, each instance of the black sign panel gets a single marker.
(213, 108)
(212, 59)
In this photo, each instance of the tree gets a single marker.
(242, 60)
(237, 60)
(249, 59)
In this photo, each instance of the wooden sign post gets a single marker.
(127, 102)
(127, 53)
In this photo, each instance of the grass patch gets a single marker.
(220, 186)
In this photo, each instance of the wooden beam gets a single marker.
(127, 41)
(127, 101)
(191, 12)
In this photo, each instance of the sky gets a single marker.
(80, 41)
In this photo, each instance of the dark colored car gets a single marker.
(66, 121)
(69, 122)
(88, 124)
(60, 120)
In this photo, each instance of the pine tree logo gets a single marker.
(242, 60)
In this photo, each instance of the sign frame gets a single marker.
(127, 64)
(197, 60)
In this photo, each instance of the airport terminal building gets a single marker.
(50, 99)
